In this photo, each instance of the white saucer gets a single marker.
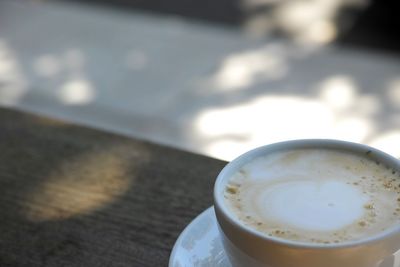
(199, 244)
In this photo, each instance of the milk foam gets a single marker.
(319, 196)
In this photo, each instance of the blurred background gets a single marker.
(216, 77)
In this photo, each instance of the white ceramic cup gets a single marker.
(246, 247)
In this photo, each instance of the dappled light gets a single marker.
(245, 69)
(323, 102)
(338, 91)
(274, 118)
(310, 22)
(68, 68)
(321, 32)
(267, 119)
(80, 186)
(76, 92)
(338, 110)
(205, 88)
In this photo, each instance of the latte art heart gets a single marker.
(317, 196)
(310, 205)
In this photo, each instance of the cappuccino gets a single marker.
(319, 196)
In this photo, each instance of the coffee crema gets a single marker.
(319, 196)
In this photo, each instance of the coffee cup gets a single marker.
(309, 203)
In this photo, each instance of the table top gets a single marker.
(74, 196)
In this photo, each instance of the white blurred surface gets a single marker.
(200, 87)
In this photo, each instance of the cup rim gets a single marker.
(298, 144)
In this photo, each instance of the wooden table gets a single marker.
(73, 196)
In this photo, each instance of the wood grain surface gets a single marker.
(73, 196)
